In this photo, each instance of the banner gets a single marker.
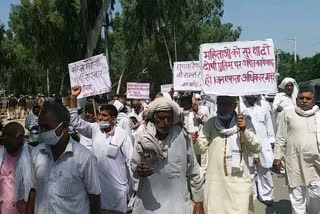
(238, 68)
(92, 74)
(138, 90)
(187, 76)
(166, 88)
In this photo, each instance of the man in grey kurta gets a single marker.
(297, 141)
(164, 160)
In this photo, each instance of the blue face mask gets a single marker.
(49, 137)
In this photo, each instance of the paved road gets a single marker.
(281, 204)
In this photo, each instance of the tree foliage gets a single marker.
(144, 40)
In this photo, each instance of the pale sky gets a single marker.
(261, 19)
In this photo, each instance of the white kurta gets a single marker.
(113, 152)
(283, 100)
(87, 142)
(226, 194)
(261, 120)
(296, 141)
(166, 191)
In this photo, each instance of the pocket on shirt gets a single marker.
(112, 151)
(66, 185)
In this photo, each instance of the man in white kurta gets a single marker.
(164, 160)
(260, 116)
(285, 100)
(228, 182)
(113, 148)
(297, 140)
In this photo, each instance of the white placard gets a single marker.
(166, 88)
(138, 90)
(187, 76)
(92, 74)
(238, 68)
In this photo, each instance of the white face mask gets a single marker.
(104, 124)
(50, 137)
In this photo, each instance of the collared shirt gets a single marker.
(113, 152)
(62, 186)
(7, 206)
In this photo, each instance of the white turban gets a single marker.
(165, 104)
(149, 146)
(287, 80)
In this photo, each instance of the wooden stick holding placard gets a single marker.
(94, 108)
(241, 132)
(239, 113)
(194, 97)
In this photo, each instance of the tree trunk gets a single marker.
(48, 83)
(92, 35)
(119, 82)
(168, 51)
(175, 43)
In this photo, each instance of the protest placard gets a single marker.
(187, 76)
(238, 68)
(92, 74)
(166, 88)
(138, 90)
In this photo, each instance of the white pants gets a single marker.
(262, 184)
(298, 198)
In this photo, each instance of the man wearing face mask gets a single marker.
(228, 183)
(113, 148)
(15, 178)
(65, 176)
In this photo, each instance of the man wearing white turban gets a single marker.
(286, 100)
(163, 161)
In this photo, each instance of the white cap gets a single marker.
(117, 104)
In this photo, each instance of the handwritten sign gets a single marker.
(166, 88)
(92, 74)
(138, 90)
(238, 68)
(187, 76)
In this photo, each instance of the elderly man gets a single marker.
(113, 148)
(228, 183)
(137, 109)
(15, 178)
(298, 141)
(164, 160)
(261, 163)
(287, 99)
(65, 172)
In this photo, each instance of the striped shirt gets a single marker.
(62, 186)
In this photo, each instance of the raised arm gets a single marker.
(83, 127)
